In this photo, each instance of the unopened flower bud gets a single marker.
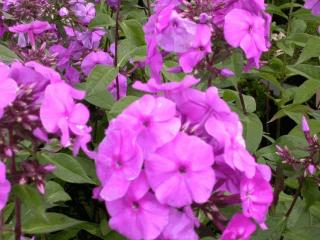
(305, 125)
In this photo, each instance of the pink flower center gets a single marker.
(182, 169)
(135, 205)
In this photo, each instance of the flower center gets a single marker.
(182, 169)
(135, 205)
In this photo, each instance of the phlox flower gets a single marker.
(93, 59)
(138, 215)
(177, 34)
(256, 194)
(112, 87)
(59, 112)
(314, 5)
(240, 227)
(181, 171)
(33, 28)
(118, 162)
(4, 186)
(199, 48)
(180, 226)
(154, 120)
(85, 12)
(246, 30)
(8, 87)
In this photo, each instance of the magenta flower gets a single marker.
(8, 87)
(118, 162)
(200, 47)
(314, 5)
(93, 59)
(181, 171)
(246, 30)
(5, 186)
(112, 87)
(33, 28)
(59, 112)
(177, 34)
(154, 119)
(84, 12)
(256, 195)
(180, 226)
(138, 215)
(240, 227)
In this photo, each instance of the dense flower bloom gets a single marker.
(240, 227)
(4, 186)
(85, 12)
(246, 30)
(119, 161)
(138, 215)
(178, 174)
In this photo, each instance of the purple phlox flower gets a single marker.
(113, 3)
(256, 194)
(112, 87)
(91, 38)
(5, 186)
(180, 226)
(154, 120)
(138, 215)
(154, 57)
(118, 162)
(152, 86)
(93, 59)
(226, 72)
(177, 35)
(64, 55)
(314, 5)
(228, 180)
(246, 30)
(72, 75)
(60, 113)
(200, 47)
(181, 172)
(46, 72)
(84, 12)
(304, 125)
(8, 87)
(33, 28)
(63, 12)
(240, 227)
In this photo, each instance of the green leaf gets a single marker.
(305, 91)
(286, 46)
(32, 199)
(127, 50)
(55, 222)
(249, 102)
(310, 192)
(237, 63)
(306, 70)
(102, 20)
(118, 107)
(253, 130)
(292, 108)
(133, 31)
(312, 49)
(55, 193)
(6, 55)
(67, 168)
(96, 86)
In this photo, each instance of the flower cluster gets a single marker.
(188, 29)
(74, 51)
(174, 150)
